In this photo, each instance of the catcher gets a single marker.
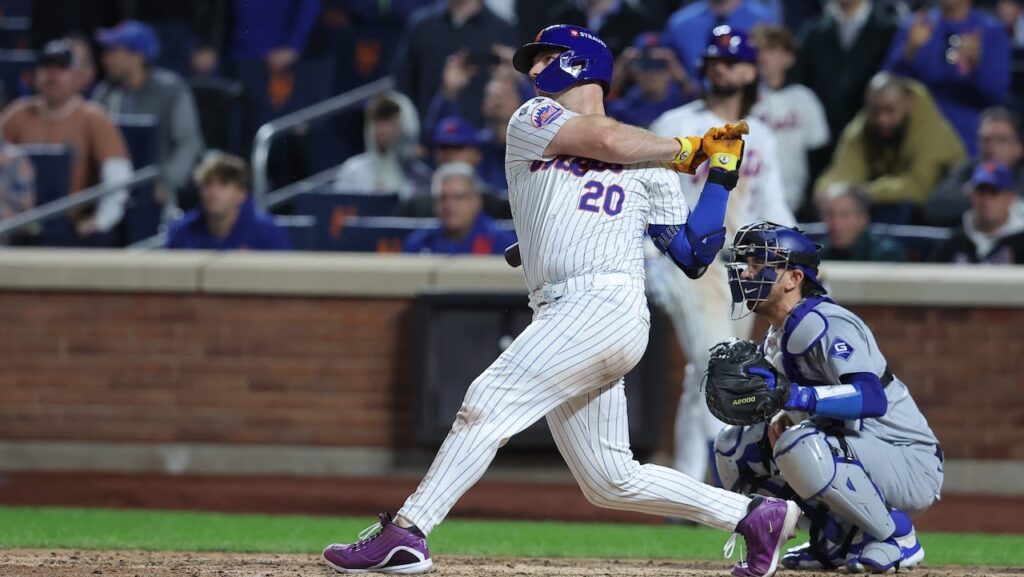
(817, 415)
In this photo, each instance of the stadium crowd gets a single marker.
(879, 114)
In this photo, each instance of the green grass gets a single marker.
(56, 528)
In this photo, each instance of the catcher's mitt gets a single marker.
(741, 386)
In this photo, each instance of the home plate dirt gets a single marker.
(83, 563)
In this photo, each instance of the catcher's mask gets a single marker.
(775, 246)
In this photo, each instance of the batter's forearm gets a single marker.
(608, 140)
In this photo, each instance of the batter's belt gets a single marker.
(554, 291)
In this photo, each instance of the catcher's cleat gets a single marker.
(895, 553)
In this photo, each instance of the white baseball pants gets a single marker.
(568, 366)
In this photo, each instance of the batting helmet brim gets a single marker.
(522, 60)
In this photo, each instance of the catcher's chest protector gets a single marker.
(802, 331)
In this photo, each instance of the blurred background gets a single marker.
(200, 202)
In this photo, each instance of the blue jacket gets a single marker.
(689, 29)
(263, 25)
(633, 108)
(484, 238)
(254, 230)
(960, 96)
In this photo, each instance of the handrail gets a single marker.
(53, 208)
(287, 123)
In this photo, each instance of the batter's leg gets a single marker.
(592, 434)
(574, 346)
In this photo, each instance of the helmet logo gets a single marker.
(571, 64)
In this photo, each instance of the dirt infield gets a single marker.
(72, 563)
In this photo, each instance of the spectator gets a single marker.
(993, 228)
(388, 166)
(1011, 14)
(898, 147)
(456, 141)
(440, 30)
(502, 98)
(464, 229)
(659, 83)
(999, 141)
(839, 53)
(59, 115)
(135, 86)
(792, 111)
(275, 31)
(227, 219)
(961, 54)
(17, 183)
(85, 71)
(614, 21)
(847, 215)
(690, 27)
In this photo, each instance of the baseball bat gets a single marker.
(512, 256)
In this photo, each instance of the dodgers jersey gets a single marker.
(831, 341)
(759, 193)
(577, 216)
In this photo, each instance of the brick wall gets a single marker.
(337, 372)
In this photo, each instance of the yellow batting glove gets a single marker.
(690, 155)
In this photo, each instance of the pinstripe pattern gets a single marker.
(700, 310)
(562, 364)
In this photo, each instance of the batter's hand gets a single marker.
(690, 155)
(724, 145)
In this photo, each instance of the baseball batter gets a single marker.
(861, 457)
(584, 189)
(700, 311)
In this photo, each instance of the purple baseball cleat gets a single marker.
(382, 548)
(768, 525)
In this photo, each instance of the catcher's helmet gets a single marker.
(775, 246)
(728, 43)
(584, 58)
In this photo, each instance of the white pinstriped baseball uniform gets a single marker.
(581, 227)
(701, 310)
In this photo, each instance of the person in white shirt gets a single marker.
(701, 310)
(792, 112)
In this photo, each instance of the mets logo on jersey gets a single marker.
(545, 114)
(840, 349)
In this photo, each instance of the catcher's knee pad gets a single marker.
(814, 468)
(742, 459)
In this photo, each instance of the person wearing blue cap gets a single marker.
(659, 83)
(993, 228)
(135, 86)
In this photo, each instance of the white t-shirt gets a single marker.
(577, 216)
(796, 117)
(759, 193)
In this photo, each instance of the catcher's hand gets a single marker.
(742, 387)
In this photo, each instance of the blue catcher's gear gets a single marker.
(584, 58)
(728, 43)
(775, 246)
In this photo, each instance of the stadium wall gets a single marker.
(302, 363)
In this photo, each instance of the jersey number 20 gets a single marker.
(593, 191)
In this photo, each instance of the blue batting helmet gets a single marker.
(775, 246)
(729, 43)
(583, 58)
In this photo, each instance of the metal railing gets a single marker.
(290, 122)
(89, 195)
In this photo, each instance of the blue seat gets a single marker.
(301, 229)
(15, 33)
(368, 233)
(15, 8)
(16, 72)
(332, 211)
(142, 215)
(52, 163)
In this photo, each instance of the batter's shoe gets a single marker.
(896, 553)
(768, 525)
(382, 548)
